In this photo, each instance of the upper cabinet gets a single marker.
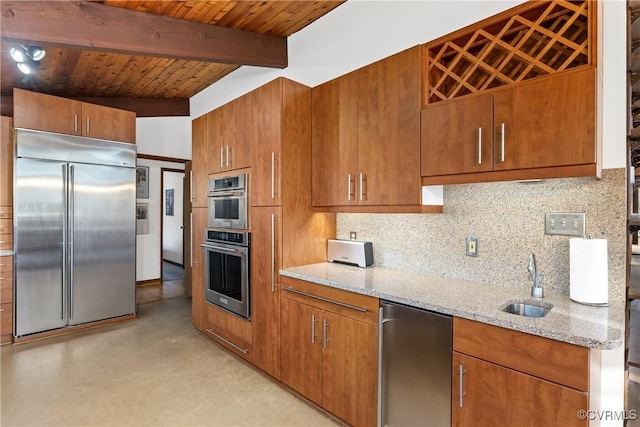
(230, 136)
(38, 111)
(366, 137)
(512, 97)
(545, 123)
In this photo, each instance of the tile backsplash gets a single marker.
(508, 218)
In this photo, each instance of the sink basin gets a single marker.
(527, 308)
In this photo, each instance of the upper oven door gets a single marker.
(228, 210)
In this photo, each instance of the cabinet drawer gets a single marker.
(6, 211)
(6, 279)
(6, 322)
(236, 344)
(555, 361)
(349, 304)
(6, 226)
(6, 242)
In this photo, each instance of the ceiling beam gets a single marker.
(143, 107)
(93, 26)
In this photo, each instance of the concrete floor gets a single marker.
(153, 371)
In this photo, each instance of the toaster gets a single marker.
(352, 252)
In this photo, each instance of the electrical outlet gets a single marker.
(564, 224)
(472, 246)
(353, 235)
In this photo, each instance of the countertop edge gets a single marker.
(583, 341)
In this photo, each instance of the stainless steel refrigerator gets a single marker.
(75, 235)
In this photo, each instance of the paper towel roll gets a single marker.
(589, 271)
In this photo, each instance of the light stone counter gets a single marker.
(593, 327)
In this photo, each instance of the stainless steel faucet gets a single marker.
(537, 291)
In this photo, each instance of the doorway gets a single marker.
(172, 235)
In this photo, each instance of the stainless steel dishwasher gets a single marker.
(414, 367)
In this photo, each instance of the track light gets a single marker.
(27, 57)
(36, 53)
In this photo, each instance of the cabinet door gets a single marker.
(494, 395)
(301, 348)
(266, 233)
(236, 115)
(108, 123)
(200, 219)
(216, 144)
(266, 137)
(389, 130)
(350, 369)
(456, 136)
(32, 110)
(545, 123)
(200, 163)
(6, 161)
(335, 142)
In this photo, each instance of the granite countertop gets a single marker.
(587, 326)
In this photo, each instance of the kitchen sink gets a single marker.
(527, 308)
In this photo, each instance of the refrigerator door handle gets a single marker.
(70, 212)
(65, 236)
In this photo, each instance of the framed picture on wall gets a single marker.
(168, 200)
(142, 182)
(142, 218)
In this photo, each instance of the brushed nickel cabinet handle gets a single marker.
(330, 301)
(243, 350)
(480, 145)
(349, 187)
(461, 384)
(325, 339)
(191, 234)
(88, 127)
(228, 157)
(502, 131)
(313, 329)
(361, 186)
(75, 123)
(273, 253)
(273, 175)
(221, 156)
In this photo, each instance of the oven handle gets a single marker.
(219, 248)
(226, 194)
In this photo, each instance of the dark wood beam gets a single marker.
(146, 107)
(143, 107)
(93, 26)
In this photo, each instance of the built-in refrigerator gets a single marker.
(75, 236)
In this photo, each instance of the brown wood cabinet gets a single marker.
(329, 350)
(285, 230)
(200, 162)
(230, 136)
(6, 299)
(39, 111)
(266, 261)
(541, 128)
(513, 378)
(200, 222)
(366, 136)
(6, 161)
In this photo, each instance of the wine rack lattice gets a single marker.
(544, 38)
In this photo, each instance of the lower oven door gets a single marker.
(227, 277)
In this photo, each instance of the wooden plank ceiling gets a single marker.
(109, 75)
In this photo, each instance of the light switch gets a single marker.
(565, 224)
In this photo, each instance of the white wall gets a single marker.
(172, 233)
(164, 136)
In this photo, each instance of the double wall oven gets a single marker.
(227, 246)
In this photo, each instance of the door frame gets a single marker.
(184, 198)
(186, 202)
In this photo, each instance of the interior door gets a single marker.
(104, 236)
(39, 245)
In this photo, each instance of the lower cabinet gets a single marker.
(327, 354)
(505, 377)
